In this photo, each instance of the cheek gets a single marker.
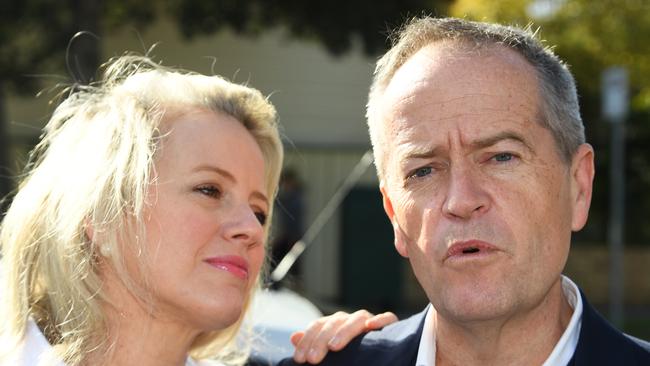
(416, 213)
(256, 257)
(187, 226)
(539, 214)
(175, 238)
(549, 202)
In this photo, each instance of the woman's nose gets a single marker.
(242, 225)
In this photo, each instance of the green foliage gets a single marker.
(34, 34)
(30, 32)
(589, 36)
(334, 23)
(33, 39)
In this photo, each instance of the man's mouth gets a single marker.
(469, 248)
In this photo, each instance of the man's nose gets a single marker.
(241, 225)
(466, 195)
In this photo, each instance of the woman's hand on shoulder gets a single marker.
(334, 332)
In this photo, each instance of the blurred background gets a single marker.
(315, 60)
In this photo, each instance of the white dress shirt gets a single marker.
(561, 354)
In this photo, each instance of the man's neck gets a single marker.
(525, 338)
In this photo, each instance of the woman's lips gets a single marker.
(469, 249)
(233, 264)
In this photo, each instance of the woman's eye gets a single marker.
(420, 172)
(261, 217)
(210, 191)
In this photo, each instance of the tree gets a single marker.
(333, 23)
(589, 35)
(37, 36)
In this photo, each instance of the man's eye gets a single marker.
(420, 172)
(261, 217)
(503, 157)
(210, 191)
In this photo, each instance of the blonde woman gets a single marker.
(138, 233)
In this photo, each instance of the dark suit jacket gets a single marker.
(397, 344)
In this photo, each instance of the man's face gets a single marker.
(480, 200)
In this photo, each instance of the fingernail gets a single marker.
(312, 354)
(334, 341)
(300, 356)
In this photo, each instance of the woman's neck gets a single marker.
(147, 341)
(139, 335)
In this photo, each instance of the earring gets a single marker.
(105, 250)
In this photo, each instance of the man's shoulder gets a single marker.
(601, 343)
(393, 345)
(398, 333)
(640, 342)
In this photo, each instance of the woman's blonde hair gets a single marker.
(92, 169)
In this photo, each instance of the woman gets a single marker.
(138, 233)
(135, 228)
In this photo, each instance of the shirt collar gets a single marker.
(34, 349)
(561, 354)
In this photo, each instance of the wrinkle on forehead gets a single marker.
(440, 90)
(410, 108)
(409, 130)
(440, 103)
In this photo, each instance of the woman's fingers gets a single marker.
(381, 320)
(308, 347)
(334, 332)
(296, 337)
(354, 325)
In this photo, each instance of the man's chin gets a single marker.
(473, 305)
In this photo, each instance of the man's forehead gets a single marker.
(457, 69)
(415, 124)
(437, 90)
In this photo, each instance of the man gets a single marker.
(484, 172)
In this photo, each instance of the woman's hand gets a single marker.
(333, 332)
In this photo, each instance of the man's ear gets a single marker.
(400, 243)
(582, 177)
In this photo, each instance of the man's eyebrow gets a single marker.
(501, 136)
(230, 177)
(423, 152)
(428, 152)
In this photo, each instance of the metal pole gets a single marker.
(615, 105)
(322, 218)
(616, 222)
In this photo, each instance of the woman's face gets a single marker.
(204, 220)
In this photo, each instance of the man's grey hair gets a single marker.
(559, 109)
